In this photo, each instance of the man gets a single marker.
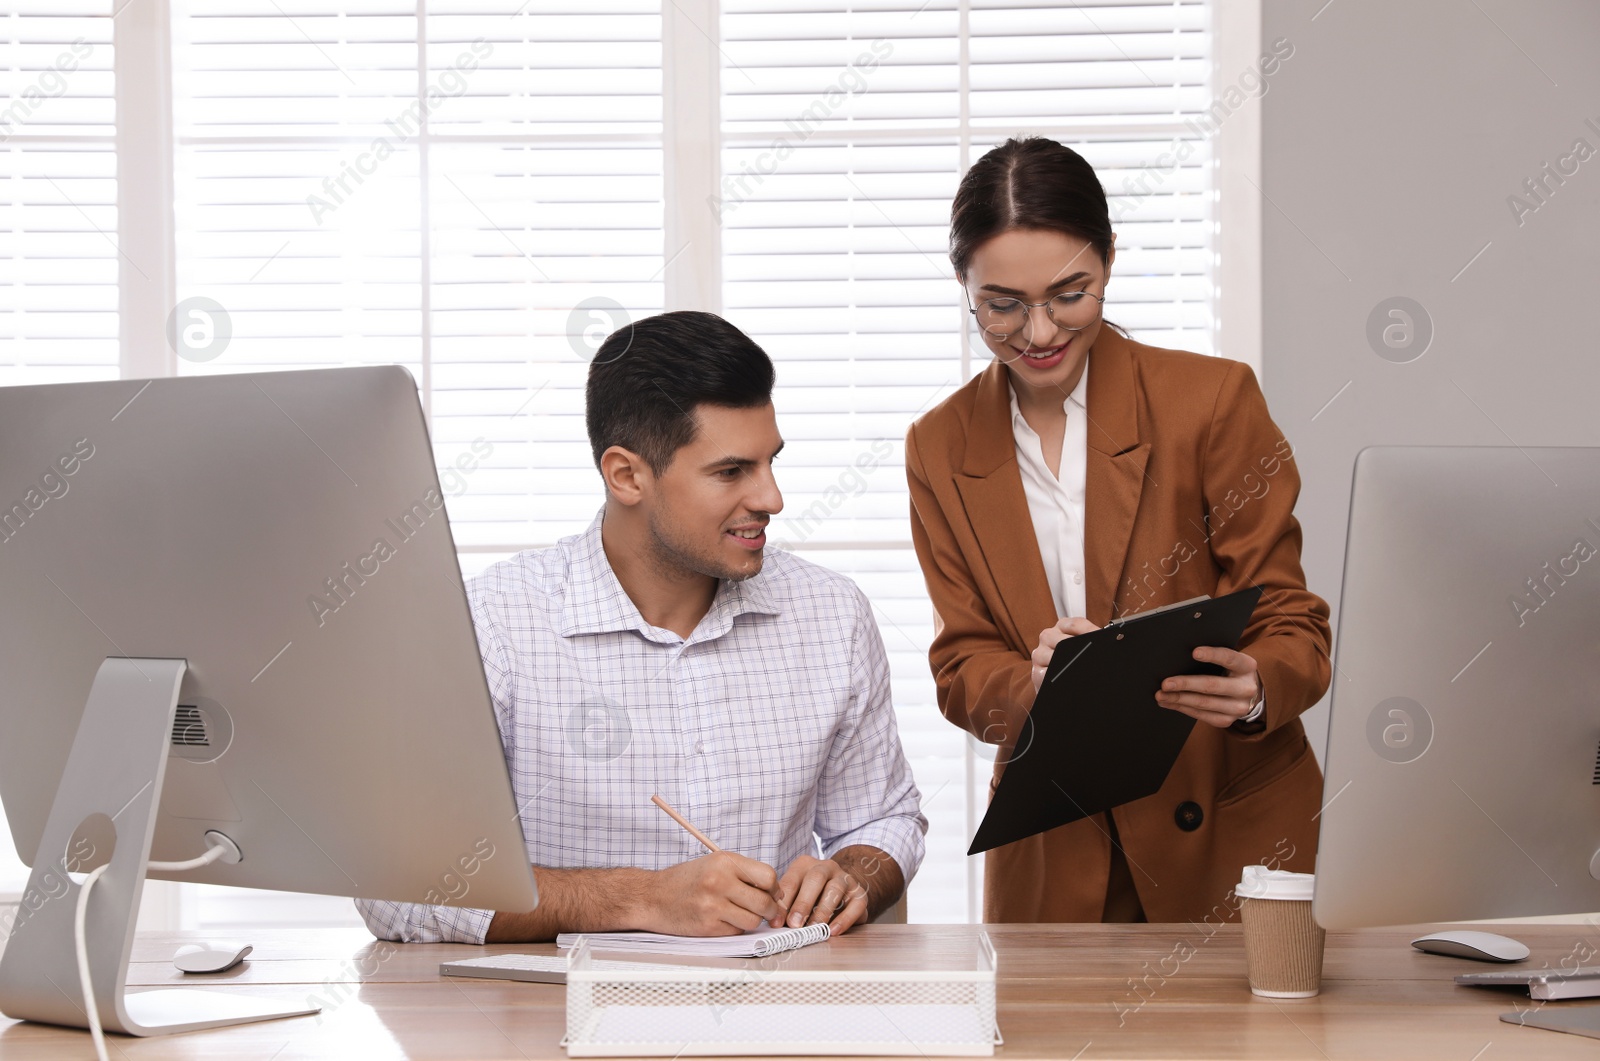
(663, 652)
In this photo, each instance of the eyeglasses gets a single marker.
(1071, 311)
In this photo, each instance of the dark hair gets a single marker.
(648, 377)
(1031, 182)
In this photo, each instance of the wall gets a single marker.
(1392, 146)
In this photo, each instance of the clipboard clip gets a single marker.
(1191, 602)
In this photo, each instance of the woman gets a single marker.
(1082, 477)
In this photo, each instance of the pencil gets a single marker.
(681, 820)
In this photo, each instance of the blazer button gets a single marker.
(1189, 816)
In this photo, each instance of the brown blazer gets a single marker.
(1190, 490)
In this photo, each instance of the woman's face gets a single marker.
(1033, 265)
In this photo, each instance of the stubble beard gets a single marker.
(679, 561)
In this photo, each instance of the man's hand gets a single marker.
(814, 890)
(715, 895)
(1049, 639)
(1219, 702)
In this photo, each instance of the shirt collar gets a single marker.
(596, 603)
(1076, 398)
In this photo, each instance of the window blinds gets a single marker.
(58, 201)
(459, 191)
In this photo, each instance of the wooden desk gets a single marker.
(1065, 991)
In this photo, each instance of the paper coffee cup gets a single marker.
(1282, 942)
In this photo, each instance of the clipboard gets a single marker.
(1096, 738)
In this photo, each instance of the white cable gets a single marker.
(80, 933)
(212, 854)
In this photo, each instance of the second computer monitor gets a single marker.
(1463, 763)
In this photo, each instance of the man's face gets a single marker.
(709, 509)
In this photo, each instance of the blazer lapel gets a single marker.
(997, 509)
(1115, 475)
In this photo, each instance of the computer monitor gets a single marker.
(230, 606)
(1463, 763)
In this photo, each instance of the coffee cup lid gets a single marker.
(1259, 882)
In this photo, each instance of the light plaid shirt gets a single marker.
(770, 727)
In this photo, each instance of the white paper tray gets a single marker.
(765, 1008)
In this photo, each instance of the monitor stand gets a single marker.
(1574, 1020)
(105, 811)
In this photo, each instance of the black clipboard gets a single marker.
(1096, 738)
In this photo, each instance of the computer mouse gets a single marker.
(215, 957)
(1466, 943)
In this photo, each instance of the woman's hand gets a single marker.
(1049, 639)
(1218, 702)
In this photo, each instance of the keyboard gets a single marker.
(1545, 984)
(545, 968)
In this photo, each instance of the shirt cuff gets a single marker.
(900, 837)
(1256, 712)
(419, 923)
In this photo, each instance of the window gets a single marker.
(364, 185)
(480, 189)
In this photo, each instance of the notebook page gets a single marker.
(757, 944)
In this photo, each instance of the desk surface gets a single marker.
(1065, 991)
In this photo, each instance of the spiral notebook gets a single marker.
(757, 944)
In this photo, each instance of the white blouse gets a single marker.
(1056, 504)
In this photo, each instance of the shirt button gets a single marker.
(1077, 578)
(699, 748)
